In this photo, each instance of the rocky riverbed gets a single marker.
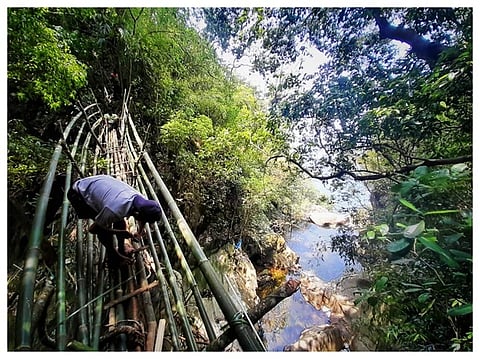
(317, 316)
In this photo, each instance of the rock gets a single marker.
(337, 302)
(349, 286)
(239, 275)
(324, 297)
(324, 218)
(239, 278)
(321, 338)
(270, 251)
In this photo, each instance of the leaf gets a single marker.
(404, 187)
(460, 310)
(422, 298)
(412, 290)
(459, 167)
(409, 205)
(399, 246)
(412, 285)
(461, 255)
(444, 255)
(429, 306)
(443, 211)
(420, 171)
(414, 230)
(380, 283)
(371, 235)
(383, 229)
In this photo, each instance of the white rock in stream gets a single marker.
(324, 218)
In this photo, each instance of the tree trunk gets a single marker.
(420, 46)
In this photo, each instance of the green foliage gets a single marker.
(221, 169)
(27, 161)
(427, 281)
(366, 96)
(181, 134)
(202, 125)
(40, 63)
(169, 66)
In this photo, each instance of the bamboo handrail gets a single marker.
(61, 335)
(247, 338)
(190, 278)
(24, 313)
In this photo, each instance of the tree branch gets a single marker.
(420, 46)
(341, 173)
(256, 313)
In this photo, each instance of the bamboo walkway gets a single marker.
(143, 306)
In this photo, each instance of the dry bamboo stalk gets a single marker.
(130, 295)
(160, 334)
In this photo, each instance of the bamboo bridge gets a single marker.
(140, 307)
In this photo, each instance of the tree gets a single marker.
(367, 97)
(40, 62)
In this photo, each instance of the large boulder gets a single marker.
(270, 250)
(239, 278)
(337, 300)
(238, 274)
(325, 218)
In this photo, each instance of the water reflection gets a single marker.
(283, 324)
(313, 245)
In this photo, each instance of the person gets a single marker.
(108, 201)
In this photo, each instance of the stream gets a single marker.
(283, 325)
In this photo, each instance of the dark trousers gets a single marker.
(84, 211)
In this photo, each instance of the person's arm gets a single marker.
(140, 230)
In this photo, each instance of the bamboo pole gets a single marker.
(246, 335)
(160, 333)
(61, 334)
(88, 282)
(121, 344)
(130, 295)
(173, 285)
(99, 302)
(256, 313)
(23, 337)
(133, 310)
(192, 345)
(164, 292)
(173, 282)
(183, 262)
(81, 285)
(163, 285)
(147, 304)
(93, 286)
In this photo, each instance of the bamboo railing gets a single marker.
(140, 307)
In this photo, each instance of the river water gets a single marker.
(283, 325)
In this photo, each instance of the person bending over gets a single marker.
(108, 201)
